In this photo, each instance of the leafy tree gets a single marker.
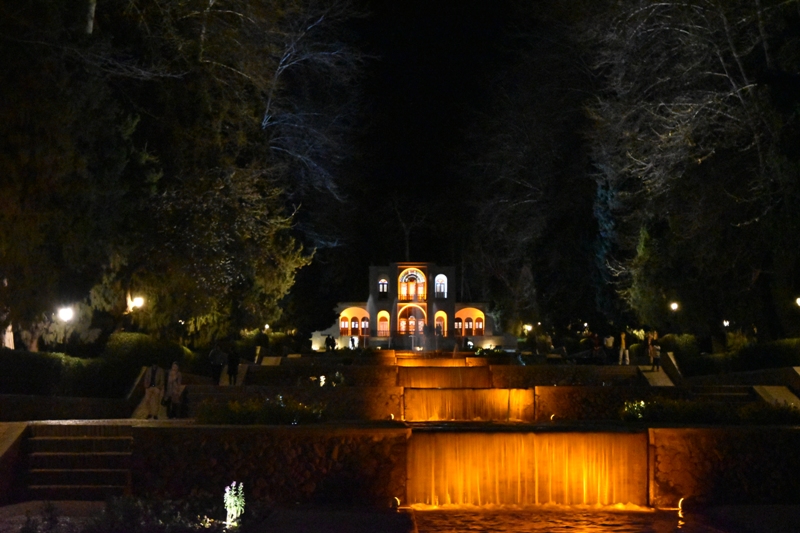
(691, 142)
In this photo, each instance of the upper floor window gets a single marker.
(383, 288)
(343, 325)
(412, 285)
(364, 326)
(354, 326)
(458, 323)
(403, 326)
(478, 326)
(468, 327)
(440, 282)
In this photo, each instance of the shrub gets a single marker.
(775, 354)
(666, 410)
(279, 410)
(43, 373)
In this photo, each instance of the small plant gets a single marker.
(279, 410)
(666, 410)
(234, 503)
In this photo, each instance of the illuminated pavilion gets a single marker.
(411, 306)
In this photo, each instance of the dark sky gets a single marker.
(433, 64)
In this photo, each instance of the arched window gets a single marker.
(412, 284)
(478, 326)
(457, 325)
(365, 326)
(343, 324)
(403, 326)
(412, 325)
(441, 286)
(468, 327)
(354, 326)
(421, 326)
(439, 327)
(383, 327)
(383, 287)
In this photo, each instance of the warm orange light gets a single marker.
(432, 405)
(473, 377)
(527, 468)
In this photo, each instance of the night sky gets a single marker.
(431, 73)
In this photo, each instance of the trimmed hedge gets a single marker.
(280, 410)
(108, 376)
(666, 410)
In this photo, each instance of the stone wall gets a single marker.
(523, 377)
(11, 437)
(20, 407)
(749, 465)
(285, 465)
(354, 376)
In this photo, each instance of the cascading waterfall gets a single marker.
(473, 377)
(424, 405)
(471, 468)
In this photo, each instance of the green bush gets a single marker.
(44, 373)
(279, 410)
(666, 410)
(775, 354)
(108, 376)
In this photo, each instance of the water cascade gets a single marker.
(423, 405)
(444, 377)
(472, 468)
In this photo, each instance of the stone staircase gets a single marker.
(78, 461)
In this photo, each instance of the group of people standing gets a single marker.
(167, 390)
(652, 348)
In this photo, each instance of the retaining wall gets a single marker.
(323, 465)
(736, 465)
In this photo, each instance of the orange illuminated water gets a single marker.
(444, 377)
(485, 469)
(423, 405)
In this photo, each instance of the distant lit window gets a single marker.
(354, 326)
(412, 324)
(343, 324)
(383, 286)
(421, 326)
(364, 326)
(383, 327)
(478, 326)
(439, 328)
(441, 286)
(468, 327)
(458, 326)
(403, 325)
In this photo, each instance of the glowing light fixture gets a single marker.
(527, 328)
(674, 306)
(66, 314)
(797, 302)
(726, 323)
(137, 302)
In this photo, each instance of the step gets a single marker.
(79, 461)
(75, 492)
(80, 444)
(80, 429)
(69, 477)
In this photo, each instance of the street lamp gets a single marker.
(674, 306)
(726, 323)
(65, 314)
(137, 302)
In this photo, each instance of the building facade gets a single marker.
(411, 306)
